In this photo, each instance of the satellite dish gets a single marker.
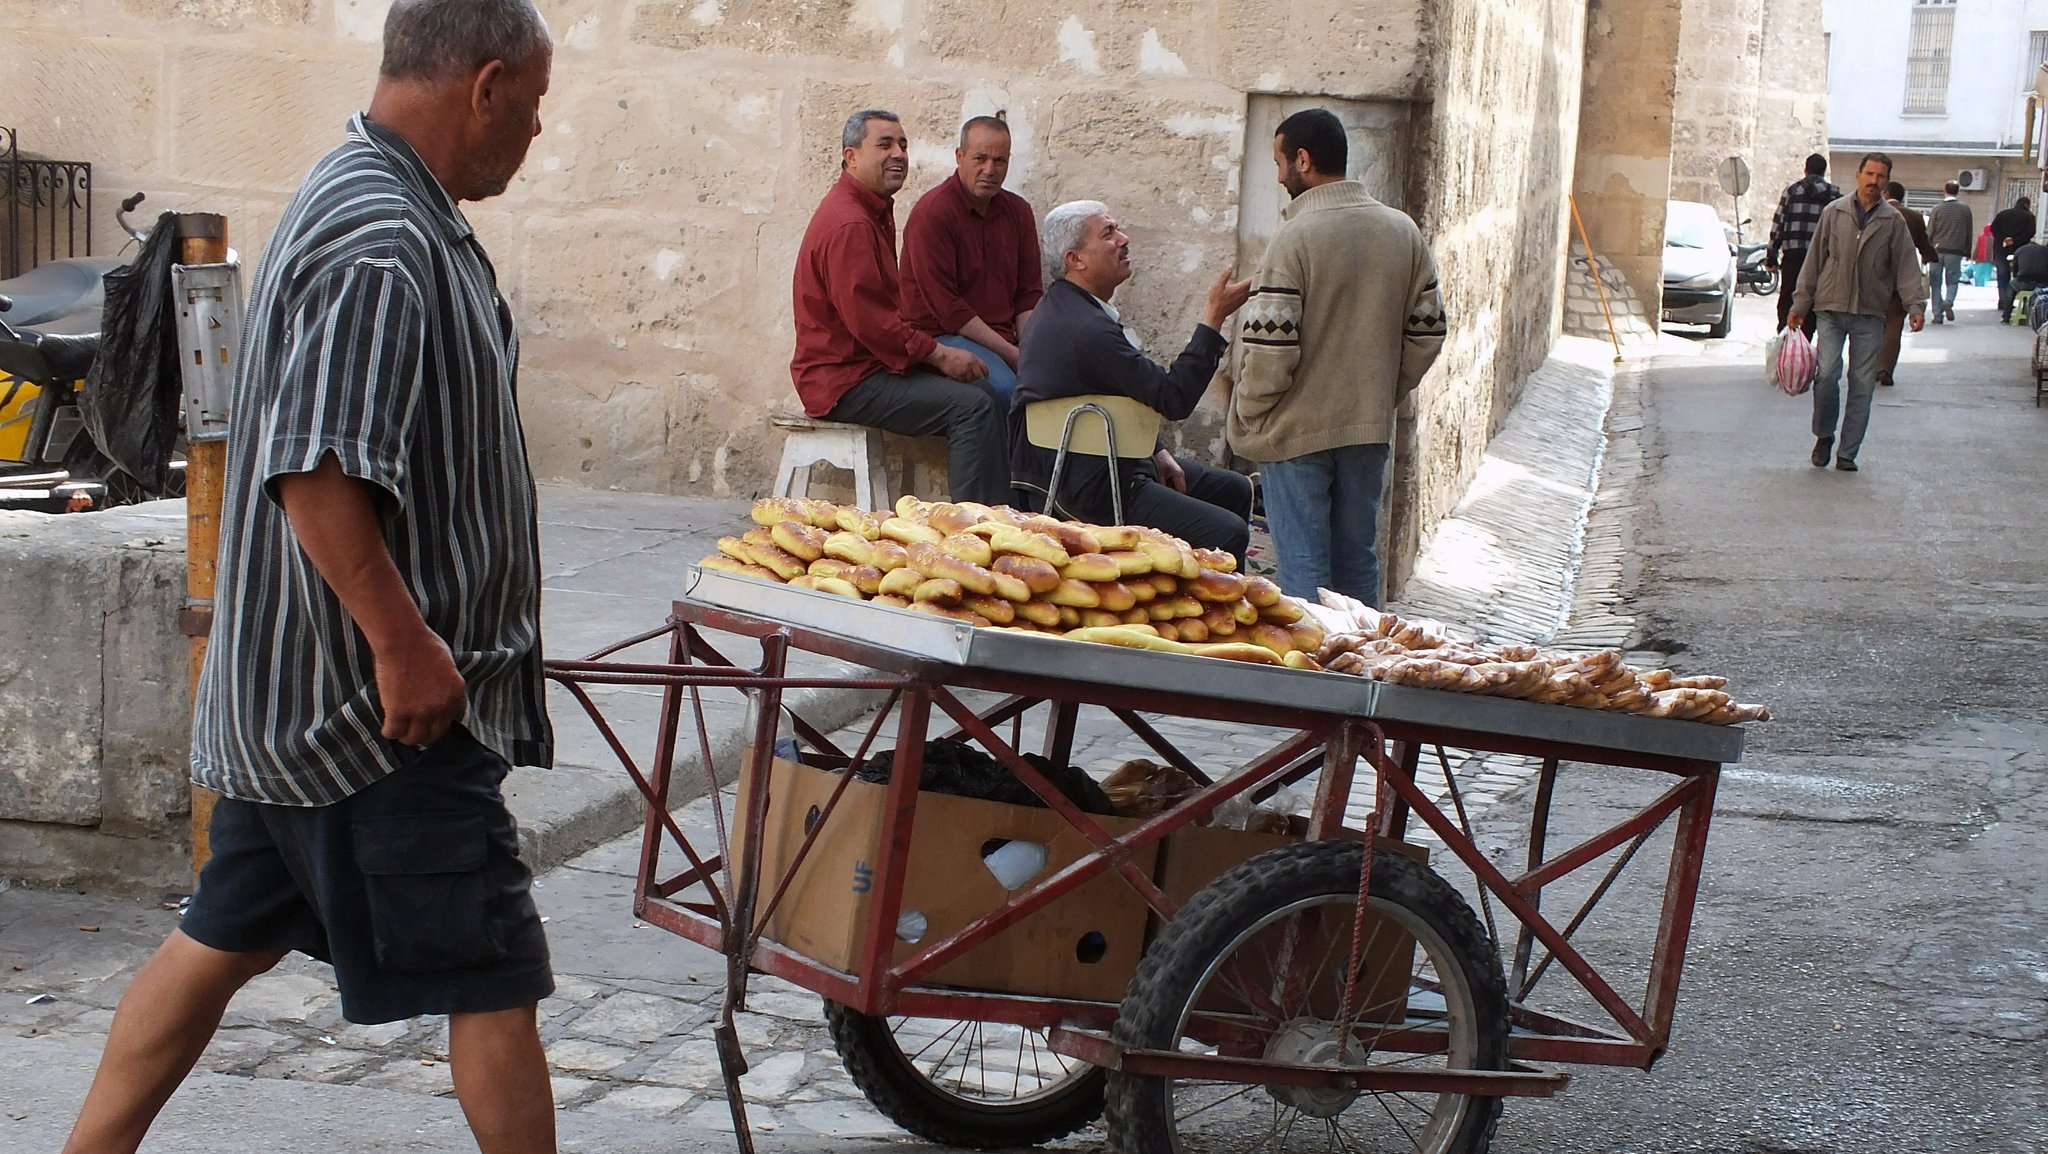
(1735, 176)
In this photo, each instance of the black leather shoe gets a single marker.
(1845, 464)
(1885, 379)
(1822, 450)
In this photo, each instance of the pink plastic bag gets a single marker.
(1789, 361)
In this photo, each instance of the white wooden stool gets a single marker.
(855, 448)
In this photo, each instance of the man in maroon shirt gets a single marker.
(857, 360)
(970, 256)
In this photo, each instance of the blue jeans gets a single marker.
(1324, 511)
(1864, 336)
(999, 372)
(1947, 271)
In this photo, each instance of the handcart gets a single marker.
(1331, 993)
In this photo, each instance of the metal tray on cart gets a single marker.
(924, 638)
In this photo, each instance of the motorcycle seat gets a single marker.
(52, 290)
(45, 358)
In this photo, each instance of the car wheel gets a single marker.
(1719, 329)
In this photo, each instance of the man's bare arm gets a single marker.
(334, 517)
(978, 331)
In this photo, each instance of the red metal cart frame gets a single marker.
(717, 901)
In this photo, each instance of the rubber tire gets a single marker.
(1768, 286)
(1720, 329)
(906, 1097)
(1138, 1116)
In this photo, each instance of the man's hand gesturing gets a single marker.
(1225, 296)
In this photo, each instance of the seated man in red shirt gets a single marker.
(970, 256)
(857, 360)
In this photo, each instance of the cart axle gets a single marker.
(1099, 1050)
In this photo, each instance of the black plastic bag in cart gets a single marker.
(959, 768)
(132, 392)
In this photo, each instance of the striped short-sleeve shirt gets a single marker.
(375, 335)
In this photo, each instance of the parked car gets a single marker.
(1699, 267)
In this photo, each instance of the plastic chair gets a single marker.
(1124, 429)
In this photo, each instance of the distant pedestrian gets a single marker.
(1860, 266)
(2009, 230)
(375, 665)
(1895, 319)
(1950, 228)
(1792, 228)
(1344, 319)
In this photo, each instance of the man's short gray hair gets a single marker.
(446, 39)
(856, 129)
(1064, 230)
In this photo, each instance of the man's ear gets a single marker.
(483, 90)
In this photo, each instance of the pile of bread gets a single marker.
(1384, 647)
(999, 567)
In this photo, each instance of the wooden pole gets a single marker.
(202, 239)
(1599, 286)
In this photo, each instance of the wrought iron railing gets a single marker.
(45, 208)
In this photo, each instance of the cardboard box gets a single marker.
(1084, 945)
(1192, 858)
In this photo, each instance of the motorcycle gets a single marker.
(49, 338)
(1750, 272)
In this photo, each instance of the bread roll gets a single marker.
(1164, 555)
(829, 567)
(1162, 609)
(910, 532)
(1186, 606)
(1038, 575)
(724, 564)
(1116, 597)
(768, 510)
(1192, 629)
(1070, 617)
(850, 547)
(867, 579)
(890, 555)
(1142, 590)
(1090, 567)
(968, 547)
(1039, 613)
(1219, 621)
(774, 557)
(734, 548)
(1130, 562)
(1168, 584)
(1245, 612)
(859, 522)
(1271, 636)
(892, 600)
(911, 509)
(1010, 588)
(1075, 595)
(900, 582)
(1116, 538)
(1307, 635)
(1097, 618)
(804, 542)
(1210, 585)
(1216, 560)
(949, 518)
(1296, 659)
(996, 609)
(759, 535)
(953, 612)
(1261, 591)
(933, 561)
(837, 586)
(939, 589)
(1167, 629)
(1029, 543)
(1073, 537)
(1281, 612)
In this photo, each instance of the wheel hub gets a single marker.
(1309, 1042)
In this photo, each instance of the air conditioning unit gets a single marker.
(1971, 178)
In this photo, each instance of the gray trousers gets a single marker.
(1864, 337)
(970, 416)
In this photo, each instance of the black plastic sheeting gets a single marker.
(956, 767)
(131, 397)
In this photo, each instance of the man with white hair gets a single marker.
(375, 665)
(1077, 345)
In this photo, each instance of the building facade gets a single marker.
(1942, 87)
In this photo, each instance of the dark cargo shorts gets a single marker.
(411, 888)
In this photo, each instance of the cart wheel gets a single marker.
(1225, 955)
(981, 1085)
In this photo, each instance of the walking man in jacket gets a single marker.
(1895, 317)
(1344, 319)
(1950, 229)
(1792, 228)
(1860, 266)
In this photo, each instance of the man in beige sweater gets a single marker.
(1344, 319)
(1861, 266)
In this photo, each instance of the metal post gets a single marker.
(209, 335)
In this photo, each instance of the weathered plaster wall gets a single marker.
(1623, 176)
(648, 244)
(1792, 110)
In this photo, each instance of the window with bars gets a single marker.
(2015, 189)
(1928, 56)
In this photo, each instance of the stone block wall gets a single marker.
(1752, 82)
(93, 698)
